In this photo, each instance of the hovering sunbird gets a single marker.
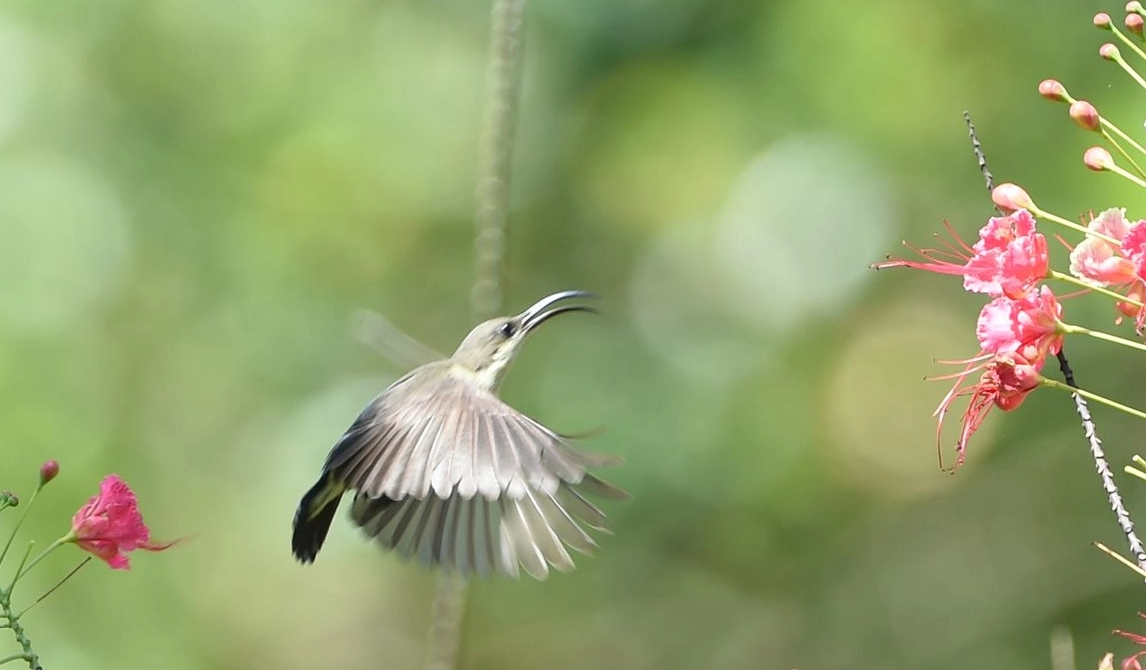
(444, 471)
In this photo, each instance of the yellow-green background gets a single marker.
(196, 196)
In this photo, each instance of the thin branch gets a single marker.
(53, 589)
(446, 617)
(1102, 467)
(486, 298)
(504, 76)
(981, 157)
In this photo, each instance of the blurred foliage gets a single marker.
(196, 196)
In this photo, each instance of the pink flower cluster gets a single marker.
(1114, 256)
(1017, 330)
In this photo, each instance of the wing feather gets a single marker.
(449, 474)
(450, 552)
(545, 537)
(522, 547)
(428, 541)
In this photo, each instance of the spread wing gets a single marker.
(449, 474)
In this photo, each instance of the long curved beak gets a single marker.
(539, 312)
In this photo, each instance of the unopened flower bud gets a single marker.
(1098, 159)
(1011, 198)
(1134, 23)
(1109, 51)
(1134, 7)
(48, 472)
(1085, 115)
(9, 499)
(1102, 20)
(1051, 89)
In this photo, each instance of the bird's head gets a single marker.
(490, 347)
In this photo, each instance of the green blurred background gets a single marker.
(196, 197)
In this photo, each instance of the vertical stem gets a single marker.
(1113, 497)
(13, 622)
(486, 297)
(980, 157)
(496, 155)
(449, 610)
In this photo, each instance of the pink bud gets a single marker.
(1098, 159)
(48, 472)
(1102, 20)
(1131, 663)
(1134, 7)
(1134, 23)
(1085, 115)
(1011, 198)
(1051, 89)
(1108, 51)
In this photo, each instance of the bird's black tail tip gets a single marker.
(310, 527)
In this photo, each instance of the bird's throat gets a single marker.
(486, 377)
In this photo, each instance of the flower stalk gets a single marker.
(108, 526)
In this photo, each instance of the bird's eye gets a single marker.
(506, 329)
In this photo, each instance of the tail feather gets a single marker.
(313, 518)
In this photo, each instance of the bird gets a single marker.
(444, 472)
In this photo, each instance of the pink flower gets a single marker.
(1133, 310)
(1028, 326)
(1131, 662)
(1099, 261)
(1134, 247)
(109, 525)
(1006, 380)
(1103, 263)
(1009, 259)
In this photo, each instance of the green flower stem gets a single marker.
(1070, 279)
(1125, 174)
(1114, 143)
(1118, 131)
(1072, 225)
(19, 569)
(12, 537)
(1054, 384)
(39, 557)
(1069, 329)
(58, 585)
(13, 621)
(1128, 42)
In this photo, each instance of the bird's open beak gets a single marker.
(539, 313)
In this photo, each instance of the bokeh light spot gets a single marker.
(800, 227)
(878, 406)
